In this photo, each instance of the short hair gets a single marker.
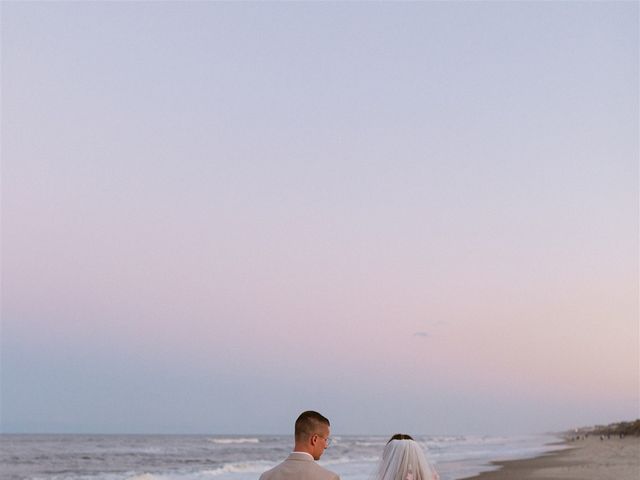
(307, 424)
(400, 436)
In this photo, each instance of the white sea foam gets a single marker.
(228, 441)
(144, 476)
(381, 443)
(246, 467)
(343, 460)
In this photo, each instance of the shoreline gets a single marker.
(585, 459)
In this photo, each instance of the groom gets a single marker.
(311, 438)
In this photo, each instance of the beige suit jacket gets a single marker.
(299, 466)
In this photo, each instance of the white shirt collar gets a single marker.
(304, 453)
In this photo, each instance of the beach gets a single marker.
(585, 459)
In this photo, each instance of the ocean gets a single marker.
(210, 457)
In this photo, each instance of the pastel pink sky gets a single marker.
(215, 216)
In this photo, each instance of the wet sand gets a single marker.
(586, 459)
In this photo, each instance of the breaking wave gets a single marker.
(230, 441)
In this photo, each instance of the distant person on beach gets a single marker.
(403, 459)
(312, 432)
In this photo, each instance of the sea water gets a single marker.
(210, 457)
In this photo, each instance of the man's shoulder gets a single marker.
(291, 467)
(325, 472)
(266, 475)
(319, 472)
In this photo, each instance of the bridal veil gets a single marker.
(405, 460)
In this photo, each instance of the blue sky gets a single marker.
(217, 215)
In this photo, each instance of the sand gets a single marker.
(585, 459)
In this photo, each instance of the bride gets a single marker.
(403, 459)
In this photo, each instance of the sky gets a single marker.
(418, 217)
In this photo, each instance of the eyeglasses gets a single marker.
(327, 440)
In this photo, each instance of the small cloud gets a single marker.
(422, 334)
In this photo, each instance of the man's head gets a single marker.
(312, 433)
